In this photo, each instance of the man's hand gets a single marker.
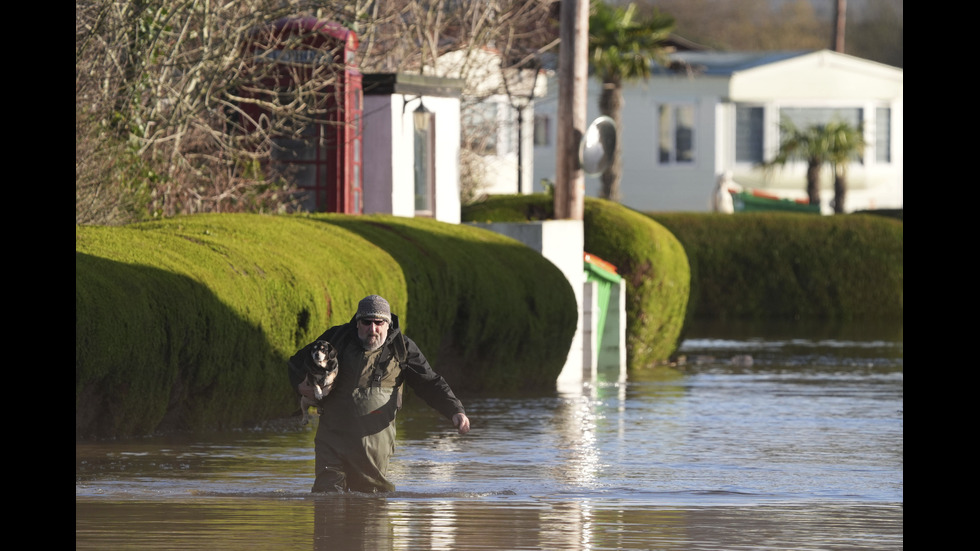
(462, 423)
(306, 389)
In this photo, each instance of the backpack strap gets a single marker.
(396, 349)
(400, 349)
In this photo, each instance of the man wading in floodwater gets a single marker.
(356, 434)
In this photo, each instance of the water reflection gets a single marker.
(574, 422)
(801, 449)
(378, 523)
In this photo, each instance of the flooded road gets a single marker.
(799, 448)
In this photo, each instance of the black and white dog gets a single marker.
(321, 372)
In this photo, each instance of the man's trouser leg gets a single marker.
(330, 475)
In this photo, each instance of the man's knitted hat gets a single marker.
(374, 307)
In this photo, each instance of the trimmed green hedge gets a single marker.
(744, 267)
(187, 323)
(480, 293)
(788, 266)
(649, 258)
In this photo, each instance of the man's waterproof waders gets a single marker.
(355, 439)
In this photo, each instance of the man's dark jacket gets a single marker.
(415, 369)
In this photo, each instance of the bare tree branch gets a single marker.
(165, 90)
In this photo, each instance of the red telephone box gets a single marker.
(324, 161)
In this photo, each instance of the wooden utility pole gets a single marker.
(840, 20)
(572, 90)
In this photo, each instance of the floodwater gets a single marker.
(762, 440)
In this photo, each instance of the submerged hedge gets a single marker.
(649, 258)
(187, 323)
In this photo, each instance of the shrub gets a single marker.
(186, 323)
(788, 266)
(646, 255)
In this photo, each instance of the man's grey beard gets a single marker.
(366, 343)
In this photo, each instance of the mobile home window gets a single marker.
(676, 123)
(748, 134)
(803, 117)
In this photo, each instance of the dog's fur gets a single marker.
(321, 372)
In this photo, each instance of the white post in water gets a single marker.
(561, 242)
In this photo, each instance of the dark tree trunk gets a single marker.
(840, 190)
(813, 181)
(611, 105)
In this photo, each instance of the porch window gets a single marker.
(542, 129)
(676, 124)
(883, 135)
(424, 161)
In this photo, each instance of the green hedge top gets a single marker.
(785, 266)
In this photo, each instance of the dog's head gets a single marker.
(324, 355)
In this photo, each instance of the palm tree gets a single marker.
(836, 142)
(845, 142)
(622, 47)
(810, 144)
